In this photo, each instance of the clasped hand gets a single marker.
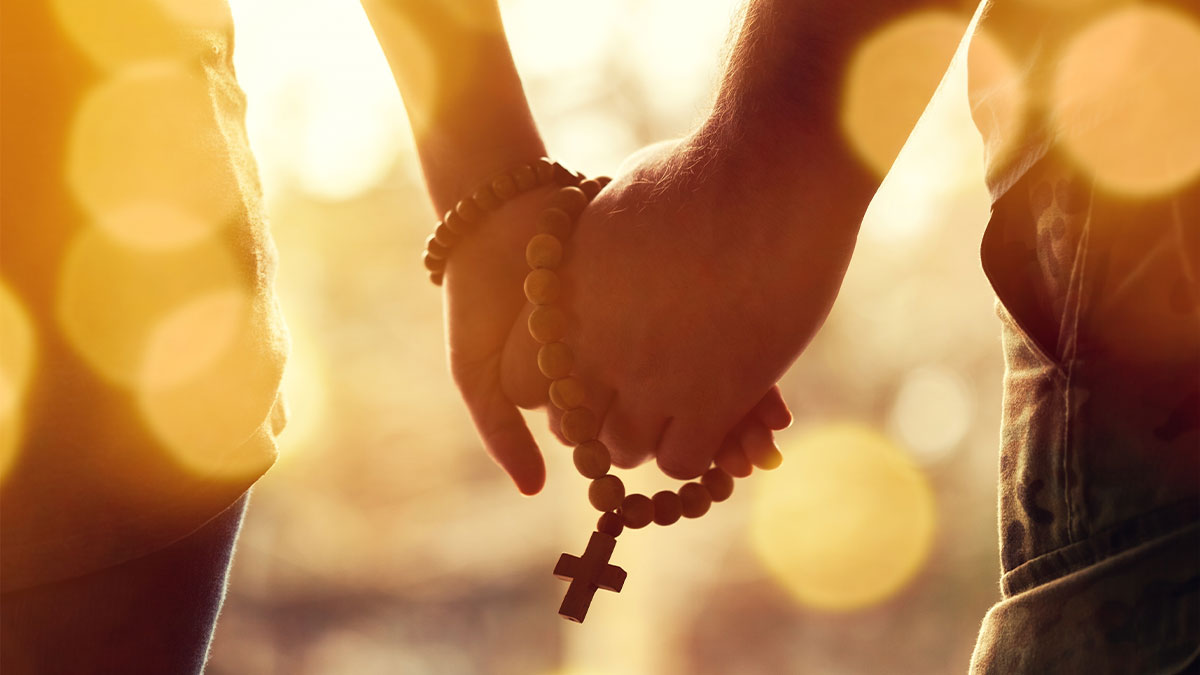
(682, 320)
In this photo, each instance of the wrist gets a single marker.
(789, 179)
(457, 157)
(461, 90)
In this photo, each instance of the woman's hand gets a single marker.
(688, 302)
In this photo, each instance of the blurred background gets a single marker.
(386, 541)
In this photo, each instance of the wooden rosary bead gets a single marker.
(485, 199)
(667, 507)
(543, 251)
(435, 249)
(504, 187)
(525, 177)
(567, 393)
(694, 499)
(443, 236)
(590, 187)
(579, 425)
(542, 286)
(547, 324)
(637, 511)
(469, 211)
(555, 222)
(571, 200)
(433, 264)
(436, 277)
(457, 224)
(606, 493)
(718, 483)
(555, 360)
(610, 524)
(591, 459)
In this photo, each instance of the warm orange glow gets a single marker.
(203, 402)
(112, 296)
(305, 388)
(328, 120)
(890, 80)
(1127, 103)
(932, 412)
(147, 159)
(115, 33)
(999, 97)
(197, 13)
(846, 521)
(1065, 5)
(942, 161)
(18, 351)
(191, 338)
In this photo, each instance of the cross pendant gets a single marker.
(587, 574)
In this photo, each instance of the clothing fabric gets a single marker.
(1099, 296)
(153, 614)
(136, 283)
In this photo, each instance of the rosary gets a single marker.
(579, 425)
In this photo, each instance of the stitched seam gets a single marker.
(1070, 352)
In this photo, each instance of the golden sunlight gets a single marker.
(998, 96)
(18, 350)
(932, 412)
(111, 296)
(846, 522)
(191, 338)
(198, 400)
(115, 33)
(1127, 101)
(890, 80)
(324, 114)
(147, 159)
(306, 389)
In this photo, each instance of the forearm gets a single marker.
(776, 122)
(464, 98)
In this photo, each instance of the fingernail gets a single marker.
(772, 460)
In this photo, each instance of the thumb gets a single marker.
(503, 431)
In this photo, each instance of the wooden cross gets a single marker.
(587, 574)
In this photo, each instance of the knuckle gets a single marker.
(681, 467)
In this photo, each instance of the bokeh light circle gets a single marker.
(890, 80)
(1127, 102)
(116, 33)
(148, 160)
(846, 522)
(191, 338)
(330, 120)
(18, 351)
(206, 383)
(932, 412)
(998, 96)
(112, 296)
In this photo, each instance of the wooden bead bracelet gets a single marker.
(470, 211)
(578, 424)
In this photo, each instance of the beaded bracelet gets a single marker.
(579, 424)
(470, 211)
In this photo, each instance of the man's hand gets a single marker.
(493, 359)
(693, 280)
(688, 302)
